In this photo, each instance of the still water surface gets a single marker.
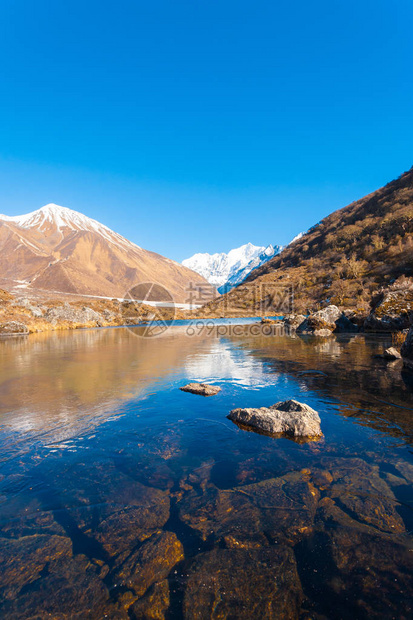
(123, 497)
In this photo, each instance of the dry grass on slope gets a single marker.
(346, 258)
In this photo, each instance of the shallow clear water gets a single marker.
(123, 497)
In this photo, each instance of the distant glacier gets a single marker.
(226, 270)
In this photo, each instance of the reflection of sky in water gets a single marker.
(224, 362)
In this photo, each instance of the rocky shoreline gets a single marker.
(391, 312)
(23, 316)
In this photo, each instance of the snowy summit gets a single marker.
(227, 270)
(63, 218)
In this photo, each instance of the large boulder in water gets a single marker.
(326, 321)
(289, 418)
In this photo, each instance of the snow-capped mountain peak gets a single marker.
(226, 270)
(60, 250)
(60, 218)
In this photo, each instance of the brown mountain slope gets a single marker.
(345, 259)
(60, 250)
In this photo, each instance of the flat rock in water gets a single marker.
(290, 418)
(203, 389)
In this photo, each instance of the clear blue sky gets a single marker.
(200, 125)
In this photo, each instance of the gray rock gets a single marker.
(391, 311)
(13, 328)
(203, 389)
(289, 418)
(34, 309)
(345, 325)
(330, 314)
(326, 321)
(73, 315)
(293, 320)
(108, 315)
(320, 323)
(391, 354)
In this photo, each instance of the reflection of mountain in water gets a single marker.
(63, 383)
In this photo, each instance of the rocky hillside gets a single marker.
(30, 315)
(346, 259)
(57, 249)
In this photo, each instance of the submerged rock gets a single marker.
(365, 495)
(243, 584)
(281, 509)
(203, 389)
(405, 469)
(289, 418)
(22, 560)
(22, 517)
(152, 606)
(362, 562)
(122, 529)
(150, 563)
(69, 589)
(113, 509)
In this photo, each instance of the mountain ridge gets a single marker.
(56, 248)
(227, 269)
(345, 259)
